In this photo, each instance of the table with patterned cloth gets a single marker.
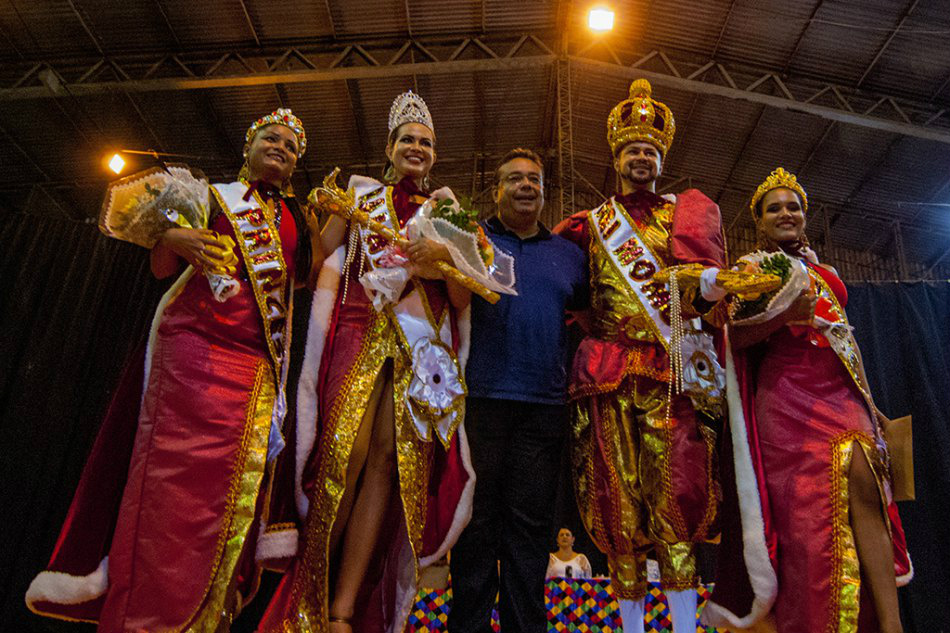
(574, 604)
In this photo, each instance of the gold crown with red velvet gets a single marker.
(281, 116)
(779, 179)
(640, 118)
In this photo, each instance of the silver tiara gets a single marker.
(409, 108)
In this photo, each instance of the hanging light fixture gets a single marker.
(600, 19)
(117, 163)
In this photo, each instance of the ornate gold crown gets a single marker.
(640, 118)
(779, 179)
(281, 116)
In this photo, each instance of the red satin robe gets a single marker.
(180, 540)
(791, 549)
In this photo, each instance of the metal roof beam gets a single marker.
(801, 37)
(196, 75)
(738, 161)
(781, 103)
(722, 30)
(250, 23)
(86, 27)
(277, 76)
(45, 186)
(887, 42)
(330, 18)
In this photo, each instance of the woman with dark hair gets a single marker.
(383, 473)
(180, 553)
(565, 562)
(811, 538)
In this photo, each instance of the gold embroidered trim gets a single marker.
(634, 367)
(713, 488)
(311, 582)
(277, 356)
(676, 517)
(846, 573)
(217, 603)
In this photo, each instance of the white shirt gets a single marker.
(557, 568)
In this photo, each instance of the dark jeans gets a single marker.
(516, 452)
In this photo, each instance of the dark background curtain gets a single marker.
(904, 333)
(74, 304)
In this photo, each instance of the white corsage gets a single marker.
(436, 392)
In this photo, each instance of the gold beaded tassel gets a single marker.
(677, 334)
(353, 244)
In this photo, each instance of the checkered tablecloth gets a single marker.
(574, 604)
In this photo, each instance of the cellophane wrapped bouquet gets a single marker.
(141, 207)
(748, 309)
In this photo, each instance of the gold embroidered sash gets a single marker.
(436, 395)
(840, 336)
(634, 262)
(259, 240)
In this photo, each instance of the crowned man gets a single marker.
(643, 457)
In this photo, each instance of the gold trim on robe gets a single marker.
(218, 607)
(414, 459)
(846, 572)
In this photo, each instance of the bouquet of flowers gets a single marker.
(141, 207)
(136, 208)
(751, 308)
(466, 219)
(454, 224)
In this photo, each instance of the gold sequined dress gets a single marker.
(352, 345)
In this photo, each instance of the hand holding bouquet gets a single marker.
(140, 208)
(454, 224)
(758, 306)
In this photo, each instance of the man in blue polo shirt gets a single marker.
(516, 412)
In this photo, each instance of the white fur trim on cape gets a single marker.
(906, 578)
(61, 588)
(321, 310)
(755, 552)
(276, 545)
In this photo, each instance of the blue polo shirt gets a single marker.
(519, 345)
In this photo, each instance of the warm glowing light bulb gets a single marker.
(116, 163)
(600, 19)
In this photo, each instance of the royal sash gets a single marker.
(436, 393)
(259, 240)
(838, 332)
(635, 263)
(703, 378)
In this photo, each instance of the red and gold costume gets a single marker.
(798, 410)
(174, 550)
(349, 345)
(643, 461)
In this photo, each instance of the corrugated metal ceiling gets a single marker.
(725, 146)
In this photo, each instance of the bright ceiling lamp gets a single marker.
(116, 163)
(600, 19)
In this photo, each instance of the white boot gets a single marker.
(682, 610)
(631, 615)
